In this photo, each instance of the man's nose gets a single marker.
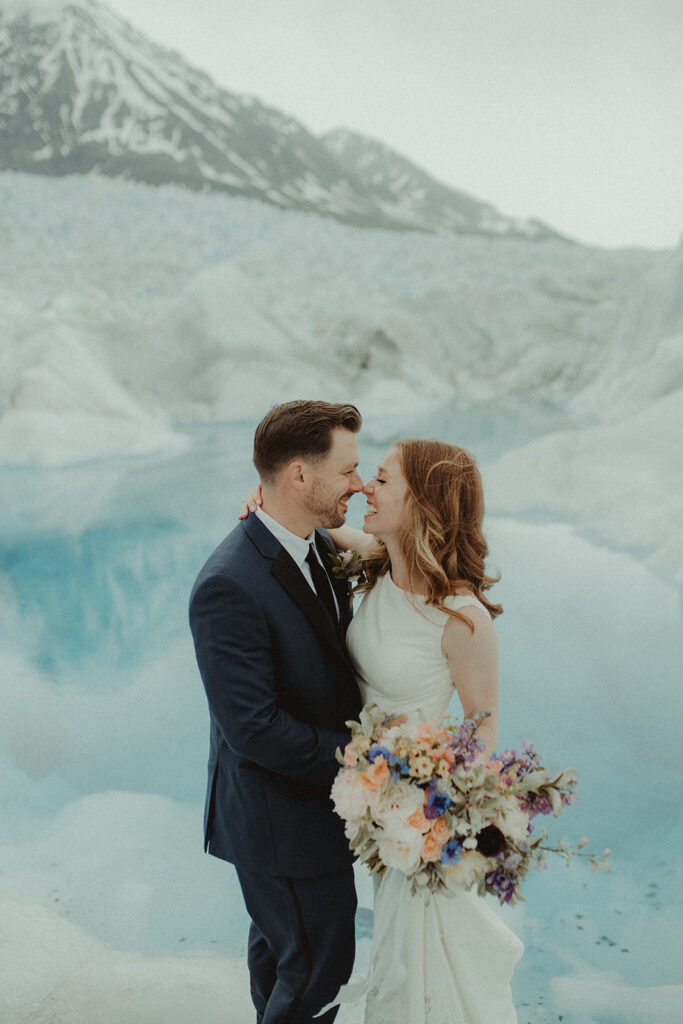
(356, 484)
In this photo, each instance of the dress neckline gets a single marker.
(413, 593)
(410, 593)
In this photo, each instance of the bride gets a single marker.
(424, 631)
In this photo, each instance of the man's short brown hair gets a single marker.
(299, 430)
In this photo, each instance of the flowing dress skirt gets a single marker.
(436, 959)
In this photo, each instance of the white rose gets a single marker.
(396, 802)
(350, 797)
(467, 872)
(399, 847)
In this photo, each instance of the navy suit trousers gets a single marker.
(301, 943)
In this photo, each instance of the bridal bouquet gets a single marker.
(424, 800)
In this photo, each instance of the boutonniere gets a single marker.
(347, 565)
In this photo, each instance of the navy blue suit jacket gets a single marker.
(280, 687)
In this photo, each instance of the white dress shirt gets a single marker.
(295, 546)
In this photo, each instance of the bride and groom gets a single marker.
(285, 667)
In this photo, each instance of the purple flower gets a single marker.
(512, 860)
(465, 743)
(501, 885)
(535, 804)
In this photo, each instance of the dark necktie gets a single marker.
(321, 582)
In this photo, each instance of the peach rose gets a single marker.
(374, 777)
(431, 848)
(440, 830)
(418, 821)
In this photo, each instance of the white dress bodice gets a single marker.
(395, 644)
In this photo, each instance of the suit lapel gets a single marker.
(287, 573)
(292, 580)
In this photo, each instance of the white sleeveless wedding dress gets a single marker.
(436, 959)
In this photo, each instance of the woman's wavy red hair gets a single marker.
(441, 538)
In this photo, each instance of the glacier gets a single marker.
(236, 300)
(144, 333)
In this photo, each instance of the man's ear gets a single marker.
(295, 474)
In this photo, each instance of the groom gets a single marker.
(268, 622)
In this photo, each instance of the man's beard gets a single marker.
(326, 511)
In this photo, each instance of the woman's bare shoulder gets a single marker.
(459, 639)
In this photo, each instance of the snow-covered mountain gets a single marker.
(83, 92)
(406, 189)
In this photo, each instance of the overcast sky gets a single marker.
(565, 110)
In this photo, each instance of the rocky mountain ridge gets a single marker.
(83, 92)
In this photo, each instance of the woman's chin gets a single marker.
(368, 527)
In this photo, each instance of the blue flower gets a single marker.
(397, 766)
(452, 852)
(437, 802)
(378, 751)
